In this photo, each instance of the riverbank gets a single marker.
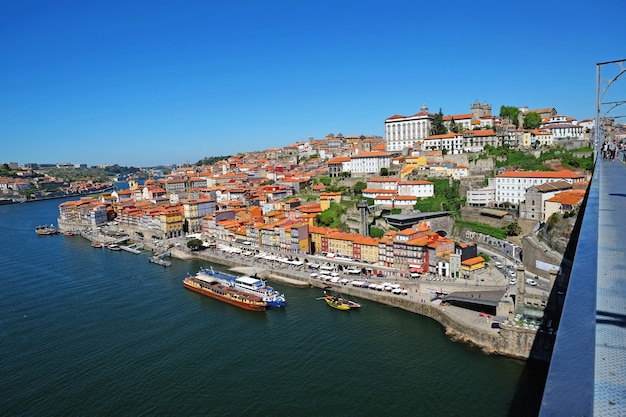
(460, 324)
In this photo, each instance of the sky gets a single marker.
(146, 83)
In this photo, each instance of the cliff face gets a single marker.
(557, 234)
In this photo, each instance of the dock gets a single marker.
(134, 248)
(158, 259)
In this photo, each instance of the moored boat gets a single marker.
(337, 303)
(46, 230)
(250, 285)
(156, 259)
(114, 246)
(349, 303)
(341, 300)
(96, 244)
(214, 288)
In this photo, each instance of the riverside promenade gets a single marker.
(422, 297)
(467, 326)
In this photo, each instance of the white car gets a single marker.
(499, 265)
(513, 281)
(512, 272)
(531, 282)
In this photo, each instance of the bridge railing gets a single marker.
(569, 388)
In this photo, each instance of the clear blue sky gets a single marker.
(164, 82)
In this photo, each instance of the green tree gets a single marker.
(384, 172)
(553, 220)
(376, 232)
(194, 244)
(331, 217)
(532, 120)
(513, 229)
(358, 187)
(438, 128)
(511, 113)
(453, 126)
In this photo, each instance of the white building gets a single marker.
(511, 186)
(563, 127)
(451, 142)
(369, 162)
(483, 197)
(421, 189)
(402, 132)
(460, 171)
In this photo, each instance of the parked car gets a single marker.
(499, 265)
(513, 281)
(531, 282)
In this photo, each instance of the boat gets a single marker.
(68, 233)
(215, 288)
(351, 304)
(158, 259)
(46, 230)
(341, 300)
(250, 285)
(114, 246)
(336, 302)
(96, 244)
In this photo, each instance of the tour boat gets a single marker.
(250, 285)
(46, 230)
(214, 288)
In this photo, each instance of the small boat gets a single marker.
(214, 288)
(337, 303)
(68, 233)
(340, 299)
(114, 246)
(96, 244)
(157, 259)
(46, 230)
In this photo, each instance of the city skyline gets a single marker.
(156, 84)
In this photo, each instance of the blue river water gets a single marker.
(91, 332)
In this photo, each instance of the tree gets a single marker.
(438, 128)
(376, 232)
(513, 229)
(532, 120)
(194, 244)
(511, 113)
(331, 217)
(453, 126)
(384, 172)
(358, 187)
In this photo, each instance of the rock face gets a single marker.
(557, 235)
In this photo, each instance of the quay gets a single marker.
(461, 325)
(423, 297)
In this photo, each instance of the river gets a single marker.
(90, 331)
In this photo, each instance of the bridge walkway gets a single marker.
(587, 373)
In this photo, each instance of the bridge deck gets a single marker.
(588, 368)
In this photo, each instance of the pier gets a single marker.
(134, 248)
